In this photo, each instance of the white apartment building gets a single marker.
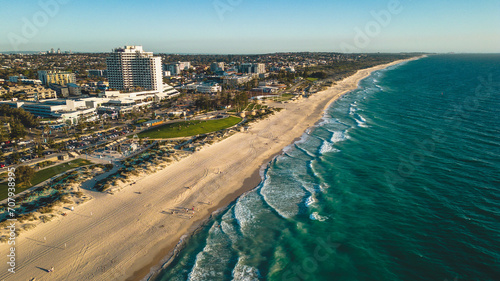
(258, 68)
(56, 77)
(177, 67)
(131, 67)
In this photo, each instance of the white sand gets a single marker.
(128, 232)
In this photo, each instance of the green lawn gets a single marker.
(312, 79)
(189, 128)
(45, 174)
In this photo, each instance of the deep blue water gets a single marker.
(400, 181)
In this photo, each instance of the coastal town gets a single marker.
(232, 140)
(76, 127)
(72, 95)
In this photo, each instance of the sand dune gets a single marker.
(128, 232)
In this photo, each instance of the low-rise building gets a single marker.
(152, 123)
(31, 81)
(16, 79)
(234, 80)
(61, 90)
(65, 110)
(209, 88)
(33, 92)
(74, 90)
(265, 89)
(204, 88)
(97, 73)
(3, 91)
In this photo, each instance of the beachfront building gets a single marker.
(63, 110)
(56, 77)
(131, 67)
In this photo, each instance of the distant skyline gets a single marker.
(247, 27)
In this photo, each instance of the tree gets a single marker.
(24, 174)
(15, 157)
(81, 126)
(39, 150)
(17, 130)
(305, 73)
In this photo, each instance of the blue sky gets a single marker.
(245, 26)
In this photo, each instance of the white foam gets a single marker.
(215, 256)
(242, 212)
(352, 110)
(361, 123)
(306, 151)
(228, 228)
(313, 169)
(242, 272)
(360, 120)
(316, 217)
(327, 147)
(325, 120)
(310, 201)
(324, 186)
(339, 136)
(283, 198)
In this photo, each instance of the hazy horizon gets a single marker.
(257, 27)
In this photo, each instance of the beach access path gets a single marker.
(121, 236)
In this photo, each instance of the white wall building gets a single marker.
(177, 67)
(131, 67)
(210, 88)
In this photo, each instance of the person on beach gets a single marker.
(51, 269)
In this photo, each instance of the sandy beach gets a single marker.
(122, 236)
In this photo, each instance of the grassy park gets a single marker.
(44, 174)
(189, 128)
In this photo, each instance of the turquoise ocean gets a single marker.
(399, 181)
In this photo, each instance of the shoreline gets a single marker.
(152, 226)
(153, 269)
